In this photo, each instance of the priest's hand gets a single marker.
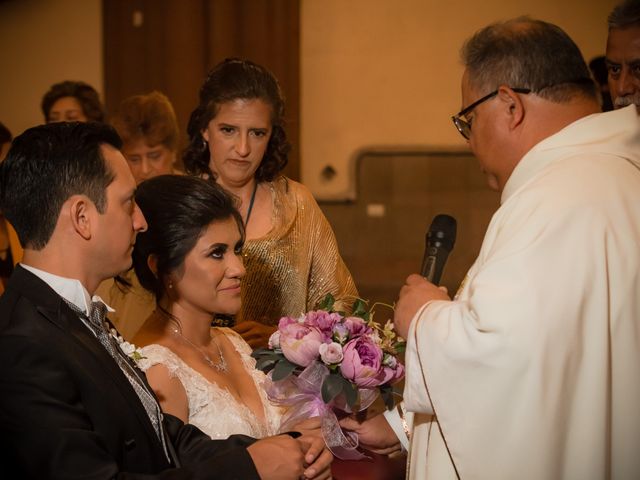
(413, 295)
(254, 333)
(374, 434)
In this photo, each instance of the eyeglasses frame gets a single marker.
(464, 126)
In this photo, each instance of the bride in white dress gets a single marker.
(191, 259)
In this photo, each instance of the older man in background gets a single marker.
(623, 54)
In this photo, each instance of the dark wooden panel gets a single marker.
(410, 187)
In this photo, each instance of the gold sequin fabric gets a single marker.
(296, 264)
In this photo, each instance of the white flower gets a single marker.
(127, 348)
(389, 361)
(274, 340)
(330, 353)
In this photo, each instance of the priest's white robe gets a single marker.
(533, 370)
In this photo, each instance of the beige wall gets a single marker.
(43, 42)
(386, 72)
(374, 72)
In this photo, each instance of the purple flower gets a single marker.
(362, 363)
(356, 326)
(340, 333)
(330, 353)
(300, 342)
(284, 321)
(323, 321)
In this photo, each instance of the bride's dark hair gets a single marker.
(178, 209)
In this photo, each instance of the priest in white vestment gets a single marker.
(532, 371)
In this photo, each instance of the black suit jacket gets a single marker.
(68, 411)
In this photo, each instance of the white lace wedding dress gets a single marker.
(211, 408)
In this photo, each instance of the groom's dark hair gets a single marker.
(44, 167)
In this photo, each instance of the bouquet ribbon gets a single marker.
(302, 395)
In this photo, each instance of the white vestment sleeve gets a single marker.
(416, 398)
(400, 424)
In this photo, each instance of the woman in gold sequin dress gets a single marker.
(237, 137)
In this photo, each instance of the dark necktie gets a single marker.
(96, 321)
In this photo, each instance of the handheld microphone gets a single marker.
(438, 244)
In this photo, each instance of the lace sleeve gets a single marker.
(240, 345)
(155, 354)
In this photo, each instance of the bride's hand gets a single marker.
(317, 457)
(309, 427)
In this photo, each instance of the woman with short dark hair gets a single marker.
(72, 101)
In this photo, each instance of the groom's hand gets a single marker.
(278, 458)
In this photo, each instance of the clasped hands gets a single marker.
(283, 457)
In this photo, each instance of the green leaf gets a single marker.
(350, 392)
(359, 308)
(326, 303)
(331, 387)
(258, 352)
(282, 370)
(389, 396)
(386, 393)
(400, 347)
(266, 364)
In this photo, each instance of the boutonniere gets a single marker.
(129, 349)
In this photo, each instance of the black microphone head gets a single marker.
(442, 232)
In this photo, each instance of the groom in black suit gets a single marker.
(71, 404)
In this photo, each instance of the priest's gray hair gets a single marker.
(527, 53)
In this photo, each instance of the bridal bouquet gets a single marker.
(325, 361)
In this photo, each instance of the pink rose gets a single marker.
(323, 321)
(299, 342)
(284, 321)
(362, 363)
(356, 326)
(330, 353)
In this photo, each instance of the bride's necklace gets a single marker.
(221, 366)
